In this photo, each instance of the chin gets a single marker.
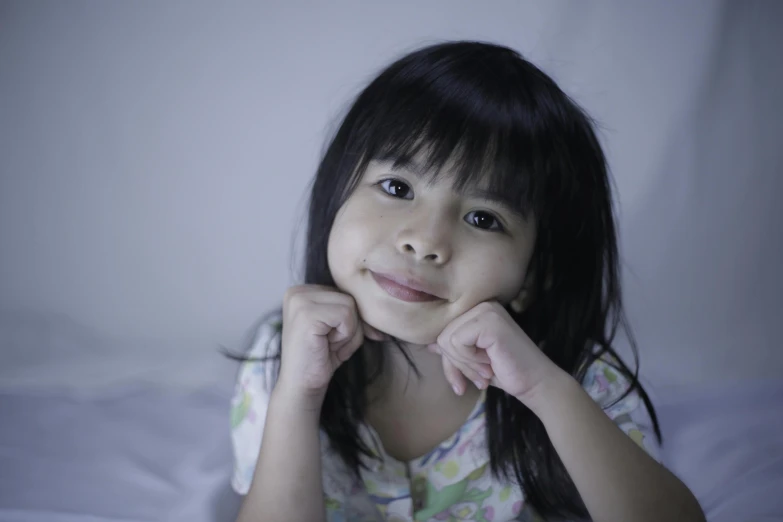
(406, 329)
(407, 336)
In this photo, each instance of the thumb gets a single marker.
(373, 333)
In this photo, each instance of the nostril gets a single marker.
(408, 248)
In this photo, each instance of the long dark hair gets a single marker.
(493, 111)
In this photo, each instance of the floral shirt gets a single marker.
(451, 482)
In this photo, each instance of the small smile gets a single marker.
(404, 288)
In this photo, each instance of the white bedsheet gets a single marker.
(144, 452)
(137, 453)
(727, 446)
(154, 444)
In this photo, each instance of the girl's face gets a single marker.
(416, 254)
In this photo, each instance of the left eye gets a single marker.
(397, 188)
(483, 220)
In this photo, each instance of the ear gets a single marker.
(526, 295)
(521, 301)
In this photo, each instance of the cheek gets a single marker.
(351, 237)
(493, 275)
(338, 247)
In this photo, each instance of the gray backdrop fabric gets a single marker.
(155, 156)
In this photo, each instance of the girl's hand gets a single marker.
(321, 330)
(486, 337)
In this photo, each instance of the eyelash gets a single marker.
(385, 185)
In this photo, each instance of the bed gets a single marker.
(152, 442)
(92, 429)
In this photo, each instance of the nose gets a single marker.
(426, 241)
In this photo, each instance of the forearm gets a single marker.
(616, 479)
(287, 482)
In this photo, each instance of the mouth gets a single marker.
(404, 288)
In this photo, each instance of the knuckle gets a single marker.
(484, 307)
(454, 341)
(348, 299)
(444, 338)
(289, 294)
(293, 295)
(468, 371)
(495, 309)
(347, 314)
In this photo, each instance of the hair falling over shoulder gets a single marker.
(493, 111)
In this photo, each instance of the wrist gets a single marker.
(296, 399)
(553, 388)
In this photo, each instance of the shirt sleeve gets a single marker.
(249, 405)
(606, 385)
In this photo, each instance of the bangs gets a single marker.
(486, 121)
(485, 166)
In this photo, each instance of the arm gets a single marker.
(616, 479)
(322, 329)
(287, 480)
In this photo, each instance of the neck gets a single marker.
(412, 413)
(399, 382)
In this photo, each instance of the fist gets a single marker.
(488, 347)
(321, 330)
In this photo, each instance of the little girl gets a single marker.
(449, 356)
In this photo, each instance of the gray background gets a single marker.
(155, 157)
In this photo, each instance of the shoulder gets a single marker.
(250, 400)
(612, 389)
(266, 336)
(607, 384)
(257, 373)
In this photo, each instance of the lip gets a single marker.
(405, 288)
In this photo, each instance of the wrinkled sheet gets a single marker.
(727, 446)
(139, 453)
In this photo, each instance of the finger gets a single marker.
(326, 295)
(469, 372)
(474, 363)
(326, 318)
(344, 322)
(348, 349)
(373, 333)
(303, 297)
(485, 370)
(460, 320)
(465, 341)
(454, 376)
(467, 355)
(476, 368)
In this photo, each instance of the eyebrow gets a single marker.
(496, 198)
(490, 196)
(406, 163)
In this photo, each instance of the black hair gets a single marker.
(486, 107)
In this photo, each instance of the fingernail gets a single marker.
(486, 373)
(455, 388)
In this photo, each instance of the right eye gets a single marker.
(396, 188)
